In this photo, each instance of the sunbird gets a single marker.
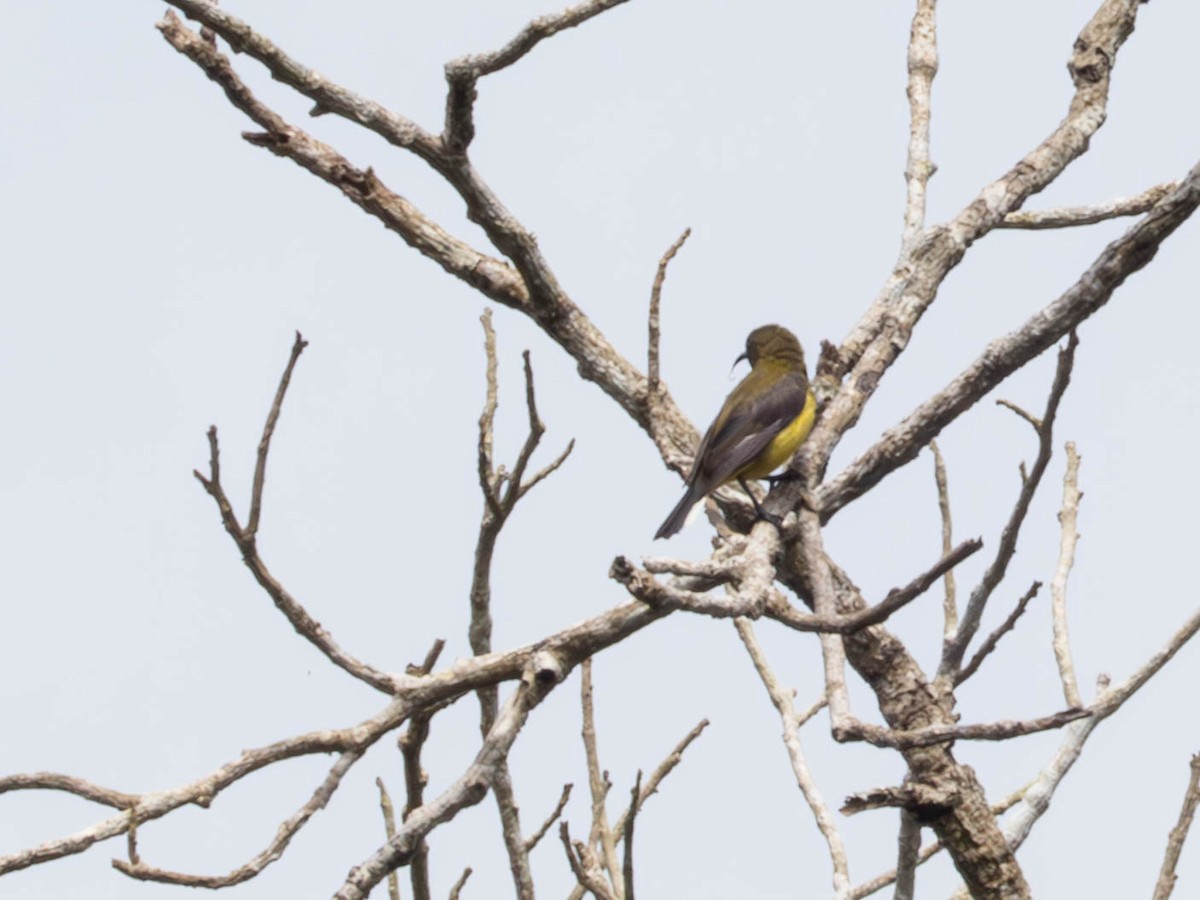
(760, 425)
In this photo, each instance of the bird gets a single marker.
(760, 425)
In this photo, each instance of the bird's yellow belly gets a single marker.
(784, 444)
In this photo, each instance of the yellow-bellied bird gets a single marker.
(766, 417)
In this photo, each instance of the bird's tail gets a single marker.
(679, 515)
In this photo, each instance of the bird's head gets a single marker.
(773, 342)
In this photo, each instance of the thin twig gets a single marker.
(993, 639)
(950, 600)
(1022, 412)
(922, 67)
(585, 867)
(1070, 216)
(601, 834)
(79, 787)
(487, 418)
(1036, 799)
(536, 429)
(389, 827)
(502, 491)
(328, 96)
(661, 771)
(537, 680)
(431, 658)
(135, 868)
(1058, 585)
(534, 839)
(297, 615)
(1166, 875)
(411, 743)
(782, 701)
(458, 885)
(463, 73)
(627, 835)
(819, 704)
(953, 652)
(510, 830)
(908, 852)
(898, 597)
(652, 373)
(264, 443)
(824, 599)
(941, 734)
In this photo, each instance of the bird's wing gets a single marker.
(755, 417)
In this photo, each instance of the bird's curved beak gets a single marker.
(736, 361)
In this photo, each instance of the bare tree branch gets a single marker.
(201, 792)
(926, 799)
(487, 421)
(54, 781)
(1120, 259)
(819, 704)
(660, 276)
(782, 701)
(884, 330)
(922, 67)
(917, 722)
(135, 868)
(641, 584)
(993, 639)
(1023, 413)
(1058, 585)
(548, 660)
(824, 601)
(305, 624)
(1167, 876)
(950, 601)
(1036, 799)
(411, 743)
(501, 491)
(1070, 216)
(585, 866)
(468, 790)
(264, 444)
(855, 730)
(458, 885)
(953, 652)
(389, 827)
(601, 836)
(492, 277)
(329, 97)
(532, 288)
(907, 854)
(463, 73)
(627, 835)
(879, 882)
(661, 771)
(534, 839)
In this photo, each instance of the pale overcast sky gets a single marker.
(156, 267)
